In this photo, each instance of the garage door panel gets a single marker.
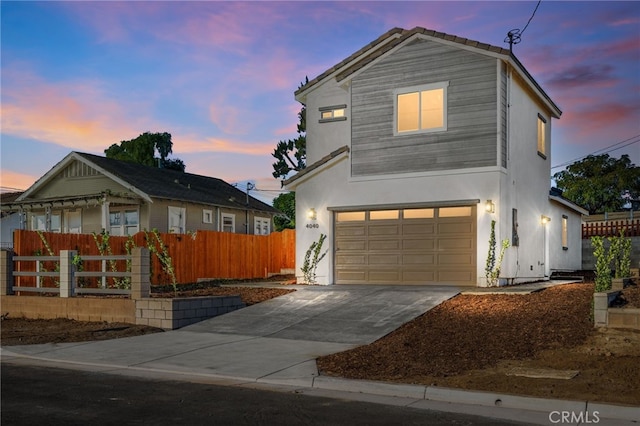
(384, 244)
(386, 259)
(347, 275)
(418, 259)
(384, 275)
(351, 231)
(351, 245)
(345, 259)
(419, 229)
(383, 230)
(410, 249)
(427, 244)
(418, 276)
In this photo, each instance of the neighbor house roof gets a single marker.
(398, 36)
(150, 182)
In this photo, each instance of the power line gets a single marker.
(532, 15)
(614, 147)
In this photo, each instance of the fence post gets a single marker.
(6, 272)
(67, 271)
(140, 273)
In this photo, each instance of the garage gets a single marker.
(434, 245)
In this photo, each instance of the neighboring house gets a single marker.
(9, 221)
(415, 143)
(86, 193)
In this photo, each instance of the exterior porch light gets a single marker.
(311, 214)
(490, 207)
(545, 219)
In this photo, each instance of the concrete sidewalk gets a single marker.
(275, 343)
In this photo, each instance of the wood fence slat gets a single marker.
(630, 227)
(210, 255)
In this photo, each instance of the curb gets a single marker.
(480, 398)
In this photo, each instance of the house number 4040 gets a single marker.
(312, 225)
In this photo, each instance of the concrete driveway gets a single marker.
(273, 342)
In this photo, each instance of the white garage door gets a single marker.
(406, 246)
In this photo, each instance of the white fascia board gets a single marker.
(569, 204)
(329, 164)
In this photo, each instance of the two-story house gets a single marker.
(415, 144)
(87, 193)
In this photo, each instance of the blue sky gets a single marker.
(220, 76)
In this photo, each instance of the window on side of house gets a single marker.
(565, 232)
(124, 222)
(332, 113)
(261, 225)
(177, 219)
(421, 109)
(542, 136)
(228, 222)
(207, 216)
(73, 221)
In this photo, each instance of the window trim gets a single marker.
(332, 109)
(258, 220)
(233, 222)
(123, 226)
(541, 135)
(564, 232)
(444, 85)
(207, 216)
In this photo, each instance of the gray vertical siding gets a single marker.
(471, 135)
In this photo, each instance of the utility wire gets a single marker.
(623, 144)
(532, 15)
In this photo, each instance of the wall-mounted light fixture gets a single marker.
(311, 214)
(490, 207)
(545, 219)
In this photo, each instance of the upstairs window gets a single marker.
(332, 113)
(421, 109)
(542, 136)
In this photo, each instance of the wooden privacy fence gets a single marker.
(204, 254)
(611, 228)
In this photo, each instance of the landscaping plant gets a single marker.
(492, 268)
(163, 256)
(311, 259)
(603, 265)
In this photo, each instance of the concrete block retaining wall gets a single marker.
(605, 316)
(172, 313)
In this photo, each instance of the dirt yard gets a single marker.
(479, 342)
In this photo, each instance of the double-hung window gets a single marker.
(421, 109)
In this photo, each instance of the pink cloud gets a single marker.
(11, 179)
(190, 143)
(66, 114)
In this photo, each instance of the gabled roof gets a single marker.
(150, 182)
(398, 36)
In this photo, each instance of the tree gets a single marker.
(286, 203)
(598, 182)
(142, 150)
(291, 155)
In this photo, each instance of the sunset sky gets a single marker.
(220, 76)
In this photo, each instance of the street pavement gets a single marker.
(275, 343)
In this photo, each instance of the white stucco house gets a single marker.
(415, 144)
